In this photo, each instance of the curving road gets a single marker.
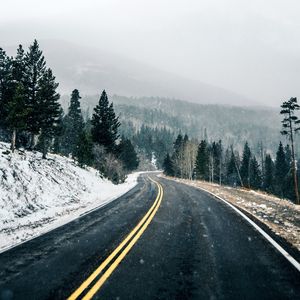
(181, 244)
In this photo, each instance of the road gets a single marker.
(189, 246)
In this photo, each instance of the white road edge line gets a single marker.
(291, 259)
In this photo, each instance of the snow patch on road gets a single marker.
(38, 195)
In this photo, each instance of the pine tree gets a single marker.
(281, 170)
(231, 175)
(17, 114)
(49, 110)
(19, 67)
(290, 124)
(244, 171)
(6, 86)
(35, 68)
(219, 161)
(127, 155)
(105, 124)
(13, 109)
(269, 175)
(202, 162)
(178, 143)
(73, 125)
(255, 179)
(159, 149)
(18, 109)
(168, 166)
(84, 149)
(177, 156)
(185, 139)
(145, 141)
(57, 143)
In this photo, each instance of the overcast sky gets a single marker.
(250, 47)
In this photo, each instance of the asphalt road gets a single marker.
(195, 247)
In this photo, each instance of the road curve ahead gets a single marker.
(162, 240)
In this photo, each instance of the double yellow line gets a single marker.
(119, 253)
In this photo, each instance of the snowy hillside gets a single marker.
(37, 195)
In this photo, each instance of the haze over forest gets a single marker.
(233, 52)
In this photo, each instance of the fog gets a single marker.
(249, 47)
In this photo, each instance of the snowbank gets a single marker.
(38, 195)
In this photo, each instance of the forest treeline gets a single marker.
(31, 117)
(211, 161)
(255, 124)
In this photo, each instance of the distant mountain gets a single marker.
(233, 124)
(90, 70)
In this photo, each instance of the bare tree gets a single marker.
(290, 125)
(189, 158)
(108, 164)
(237, 167)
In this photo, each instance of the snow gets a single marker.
(38, 195)
(154, 160)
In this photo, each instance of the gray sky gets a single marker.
(250, 47)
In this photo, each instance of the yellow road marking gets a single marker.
(109, 271)
(140, 228)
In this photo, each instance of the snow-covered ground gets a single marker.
(281, 216)
(38, 195)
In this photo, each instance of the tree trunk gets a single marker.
(237, 169)
(294, 164)
(296, 182)
(295, 172)
(248, 178)
(220, 172)
(44, 147)
(262, 157)
(13, 140)
(31, 142)
(212, 170)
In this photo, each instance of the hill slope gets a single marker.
(37, 195)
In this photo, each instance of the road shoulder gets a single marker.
(280, 219)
